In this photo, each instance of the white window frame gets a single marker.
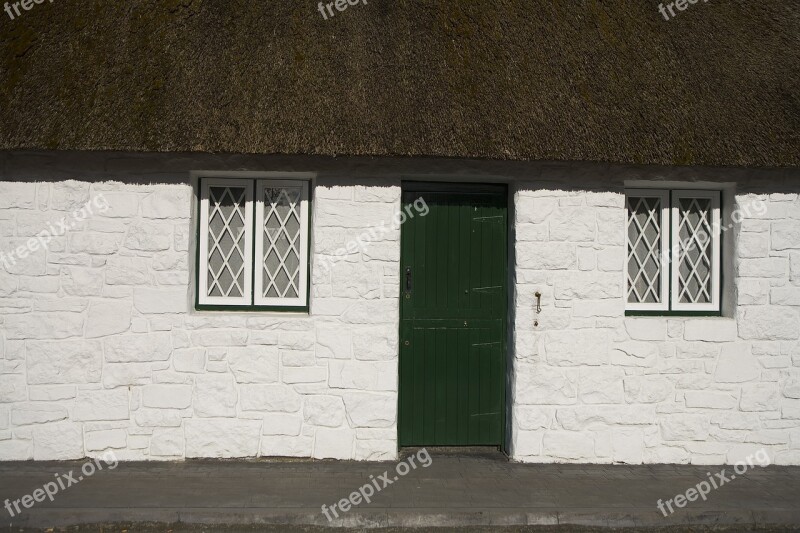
(246, 299)
(716, 262)
(664, 226)
(670, 221)
(301, 299)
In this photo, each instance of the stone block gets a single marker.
(24, 257)
(94, 243)
(710, 330)
(534, 417)
(334, 443)
(58, 442)
(17, 195)
(210, 338)
(786, 235)
(601, 385)
(646, 329)
(578, 347)
(736, 365)
(167, 443)
(286, 446)
(769, 323)
(214, 396)
(370, 410)
(77, 281)
(648, 389)
(222, 438)
(149, 237)
(594, 417)
(108, 318)
(587, 285)
(336, 343)
(711, 400)
(271, 398)
(282, 424)
(167, 396)
(556, 256)
(363, 375)
(43, 326)
(138, 348)
(192, 360)
(44, 393)
(168, 203)
(13, 388)
(684, 427)
(127, 271)
(32, 413)
(760, 397)
(254, 364)
(126, 374)
(327, 411)
(634, 353)
(157, 418)
(785, 296)
(67, 362)
(103, 405)
(752, 245)
(97, 441)
(573, 224)
(770, 267)
(540, 385)
(160, 300)
(570, 445)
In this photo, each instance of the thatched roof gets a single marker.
(592, 80)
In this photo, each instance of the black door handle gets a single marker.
(408, 279)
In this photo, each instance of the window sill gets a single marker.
(227, 310)
(677, 314)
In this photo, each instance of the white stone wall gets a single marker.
(101, 350)
(593, 386)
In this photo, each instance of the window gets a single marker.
(673, 252)
(253, 243)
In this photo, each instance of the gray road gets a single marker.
(454, 491)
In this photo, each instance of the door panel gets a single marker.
(453, 319)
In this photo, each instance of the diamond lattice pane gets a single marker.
(695, 270)
(282, 241)
(644, 250)
(226, 241)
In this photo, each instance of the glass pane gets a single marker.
(226, 241)
(282, 241)
(695, 271)
(644, 250)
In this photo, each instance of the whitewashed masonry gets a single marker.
(102, 350)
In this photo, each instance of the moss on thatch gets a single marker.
(507, 79)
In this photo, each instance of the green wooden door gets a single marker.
(453, 317)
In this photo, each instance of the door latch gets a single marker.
(408, 279)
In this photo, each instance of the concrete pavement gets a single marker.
(454, 490)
